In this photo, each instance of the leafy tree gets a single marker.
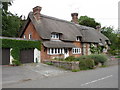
(10, 23)
(87, 21)
(113, 37)
(5, 7)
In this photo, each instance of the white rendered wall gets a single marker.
(11, 58)
(37, 55)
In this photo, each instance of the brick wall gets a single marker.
(35, 36)
(78, 45)
(31, 30)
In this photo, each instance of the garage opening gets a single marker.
(5, 56)
(27, 56)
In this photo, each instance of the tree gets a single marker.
(5, 7)
(113, 37)
(10, 23)
(87, 21)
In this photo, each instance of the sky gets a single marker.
(103, 11)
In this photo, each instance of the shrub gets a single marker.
(86, 64)
(83, 57)
(70, 58)
(16, 62)
(113, 52)
(77, 59)
(60, 59)
(102, 59)
(117, 57)
(95, 58)
(49, 63)
(98, 58)
(74, 70)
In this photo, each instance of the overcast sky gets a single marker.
(104, 11)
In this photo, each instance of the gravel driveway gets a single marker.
(13, 74)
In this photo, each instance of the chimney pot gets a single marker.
(74, 17)
(36, 12)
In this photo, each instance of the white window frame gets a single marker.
(77, 38)
(55, 36)
(24, 36)
(30, 36)
(55, 51)
(76, 50)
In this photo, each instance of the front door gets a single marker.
(66, 52)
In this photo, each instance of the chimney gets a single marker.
(36, 12)
(98, 28)
(74, 18)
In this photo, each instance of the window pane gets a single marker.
(52, 51)
(58, 50)
(73, 50)
(55, 50)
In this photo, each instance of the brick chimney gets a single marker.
(74, 17)
(36, 12)
(98, 28)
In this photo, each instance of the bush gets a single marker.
(86, 64)
(16, 63)
(98, 58)
(102, 59)
(60, 59)
(83, 57)
(113, 52)
(95, 58)
(70, 58)
(49, 63)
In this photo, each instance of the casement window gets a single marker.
(24, 36)
(55, 51)
(30, 36)
(78, 38)
(55, 36)
(76, 50)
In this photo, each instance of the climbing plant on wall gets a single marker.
(18, 45)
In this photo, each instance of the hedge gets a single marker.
(18, 45)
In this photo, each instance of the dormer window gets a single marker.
(78, 38)
(55, 36)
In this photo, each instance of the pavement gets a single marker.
(97, 78)
(26, 72)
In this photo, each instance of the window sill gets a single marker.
(76, 53)
(55, 54)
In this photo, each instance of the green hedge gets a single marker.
(98, 58)
(86, 64)
(18, 45)
(70, 58)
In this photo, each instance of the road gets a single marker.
(98, 78)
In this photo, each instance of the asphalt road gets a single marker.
(98, 78)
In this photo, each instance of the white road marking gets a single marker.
(97, 80)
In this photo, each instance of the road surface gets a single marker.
(98, 78)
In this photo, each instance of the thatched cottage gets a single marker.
(61, 38)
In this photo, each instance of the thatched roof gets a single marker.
(69, 31)
(88, 33)
(91, 35)
(47, 25)
(58, 44)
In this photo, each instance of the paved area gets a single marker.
(98, 78)
(112, 61)
(26, 72)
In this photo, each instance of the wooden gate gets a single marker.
(5, 56)
(27, 56)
